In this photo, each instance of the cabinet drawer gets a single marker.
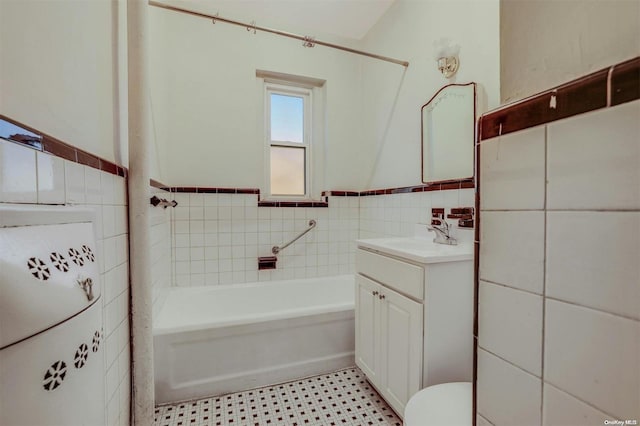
(401, 276)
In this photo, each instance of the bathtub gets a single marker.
(220, 339)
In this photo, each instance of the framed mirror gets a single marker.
(448, 134)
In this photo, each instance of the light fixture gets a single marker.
(446, 54)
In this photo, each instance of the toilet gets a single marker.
(447, 404)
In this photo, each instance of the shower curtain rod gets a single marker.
(308, 41)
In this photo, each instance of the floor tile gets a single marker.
(341, 398)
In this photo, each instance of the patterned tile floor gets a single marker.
(343, 397)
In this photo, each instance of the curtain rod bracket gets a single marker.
(309, 41)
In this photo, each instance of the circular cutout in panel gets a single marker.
(59, 262)
(54, 375)
(88, 253)
(76, 257)
(38, 269)
(96, 341)
(81, 356)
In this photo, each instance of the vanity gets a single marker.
(414, 315)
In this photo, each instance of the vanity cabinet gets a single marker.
(401, 311)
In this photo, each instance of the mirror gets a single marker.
(448, 134)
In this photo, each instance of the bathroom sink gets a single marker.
(420, 250)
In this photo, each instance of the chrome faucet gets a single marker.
(443, 235)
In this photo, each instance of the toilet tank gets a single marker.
(51, 333)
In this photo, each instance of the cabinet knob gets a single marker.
(375, 293)
(382, 296)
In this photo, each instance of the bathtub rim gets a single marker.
(252, 319)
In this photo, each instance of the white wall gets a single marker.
(207, 106)
(546, 43)
(207, 102)
(391, 101)
(59, 71)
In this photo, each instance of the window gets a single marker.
(288, 135)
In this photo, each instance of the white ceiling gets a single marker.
(343, 18)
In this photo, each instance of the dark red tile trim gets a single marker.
(53, 146)
(293, 204)
(59, 149)
(625, 82)
(108, 167)
(340, 193)
(87, 159)
(582, 95)
(211, 190)
(434, 186)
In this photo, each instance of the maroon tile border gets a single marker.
(293, 204)
(589, 93)
(625, 82)
(56, 147)
(59, 149)
(435, 186)
(87, 159)
(213, 190)
(340, 193)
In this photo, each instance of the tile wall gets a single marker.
(161, 264)
(395, 215)
(33, 177)
(559, 281)
(217, 239)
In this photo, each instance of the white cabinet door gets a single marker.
(367, 327)
(400, 363)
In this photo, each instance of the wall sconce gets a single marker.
(446, 54)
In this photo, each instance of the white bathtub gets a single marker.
(220, 339)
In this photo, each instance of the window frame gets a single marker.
(306, 93)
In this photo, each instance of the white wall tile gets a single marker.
(512, 171)
(507, 395)
(74, 182)
(50, 179)
(594, 160)
(560, 408)
(119, 191)
(108, 221)
(592, 260)
(120, 220)
(18, 182)
(107, 182)
(594, 356)
(113, 411)
(481, 421)
(93, 185)
(510, 325)
(512, 249)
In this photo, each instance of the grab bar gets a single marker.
(278, 249)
